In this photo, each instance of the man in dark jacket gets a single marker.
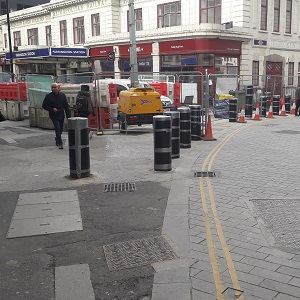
(297, 97)
(84, 103)
(56, 104)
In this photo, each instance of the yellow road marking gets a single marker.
(210, 244)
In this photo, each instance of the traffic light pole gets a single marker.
(133, 55)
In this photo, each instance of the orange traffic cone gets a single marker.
(242, 116)
(257, 116)
(270, 113)
(208, 131)
(283, 112)
(293, 110)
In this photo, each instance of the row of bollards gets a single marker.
(172, 131)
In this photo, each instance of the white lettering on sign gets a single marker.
(138, 49)
(177, 47)
(24, 54)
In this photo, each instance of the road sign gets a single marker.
(111, 55)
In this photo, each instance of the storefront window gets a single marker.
(226, 65)
(171, 60)
(144, 65)
(206, 59)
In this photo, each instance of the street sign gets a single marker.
(111, 55)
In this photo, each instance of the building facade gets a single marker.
(257, 39)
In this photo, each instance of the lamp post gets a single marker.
(9, 43)
(133, 54)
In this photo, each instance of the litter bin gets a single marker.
(162, 143)
(263, 100)
(287, 100)
(79, 151)
(175, 120)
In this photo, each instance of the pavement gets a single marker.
(170, 235)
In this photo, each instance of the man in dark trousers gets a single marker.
(57, 105)
(84, 103)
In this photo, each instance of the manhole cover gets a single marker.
(137, 253)
(281, 218)
(119, 187)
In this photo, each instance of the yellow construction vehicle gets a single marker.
(137, 106)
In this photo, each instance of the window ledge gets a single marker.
(275, 33)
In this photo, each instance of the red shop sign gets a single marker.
(101, 51)
(141, 49)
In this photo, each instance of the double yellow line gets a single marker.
(211, 206)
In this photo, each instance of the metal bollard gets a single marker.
(276, 100)
(233, 113)
(162, 143)
(175, 121)
(287, 100)
(263, 100)
(249, 101)
(185, 127)
(195, 122)
(79, 151)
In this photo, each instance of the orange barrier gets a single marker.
(257, 116)
(270, 113)
(9, 91)
(208, 131)
(112, 89)
(160, 87)
(242, 116)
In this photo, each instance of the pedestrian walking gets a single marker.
(84, 105)
(56, 104)
(297, 97)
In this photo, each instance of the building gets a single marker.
(257, 39)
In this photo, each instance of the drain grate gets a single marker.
(205, 174)
(120, 187)
(137, 253)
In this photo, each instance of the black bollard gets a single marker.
(249, 101)
(175, 120)
(162, 143)
(233, 113)
(276, 100)
(185, 127)
(79, 151)
(263, 100)
(195, 122)
(287, 100)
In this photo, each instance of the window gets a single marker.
(3, 8)
(33, 38)
(226, 65)
(17, 38)
(169, 14)
(206, 59)
(263, 16)
(210, 11)
(288, 18)
(48, 35)
(138, 19)
(78, 30)
(5, 40)
(95, 25)
(255, 73)
(291, 73)
(276, 15)
(63, 32)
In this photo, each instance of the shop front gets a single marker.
(103, 59)
(144, 59)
